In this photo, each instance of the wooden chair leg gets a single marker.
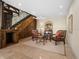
(55, 43)
(64, 42)
(33, 38)
(50, 39)
(44, 41)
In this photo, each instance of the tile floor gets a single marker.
(24, 51)
(49, 46)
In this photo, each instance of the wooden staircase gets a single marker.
(24, 27)
(21, 29)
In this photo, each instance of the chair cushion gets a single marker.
(58, 34)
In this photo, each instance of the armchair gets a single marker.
(59, 36)
(37, 36)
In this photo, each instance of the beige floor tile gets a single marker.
(23, 51)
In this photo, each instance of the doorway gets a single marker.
(9, 38)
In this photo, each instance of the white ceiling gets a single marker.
(43, 8)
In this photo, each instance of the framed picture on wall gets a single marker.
(70, 23)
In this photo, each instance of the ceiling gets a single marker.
(43, 8)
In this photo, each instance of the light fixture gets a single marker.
(19, 4)
(61, 6)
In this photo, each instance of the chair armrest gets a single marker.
(62, 37)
